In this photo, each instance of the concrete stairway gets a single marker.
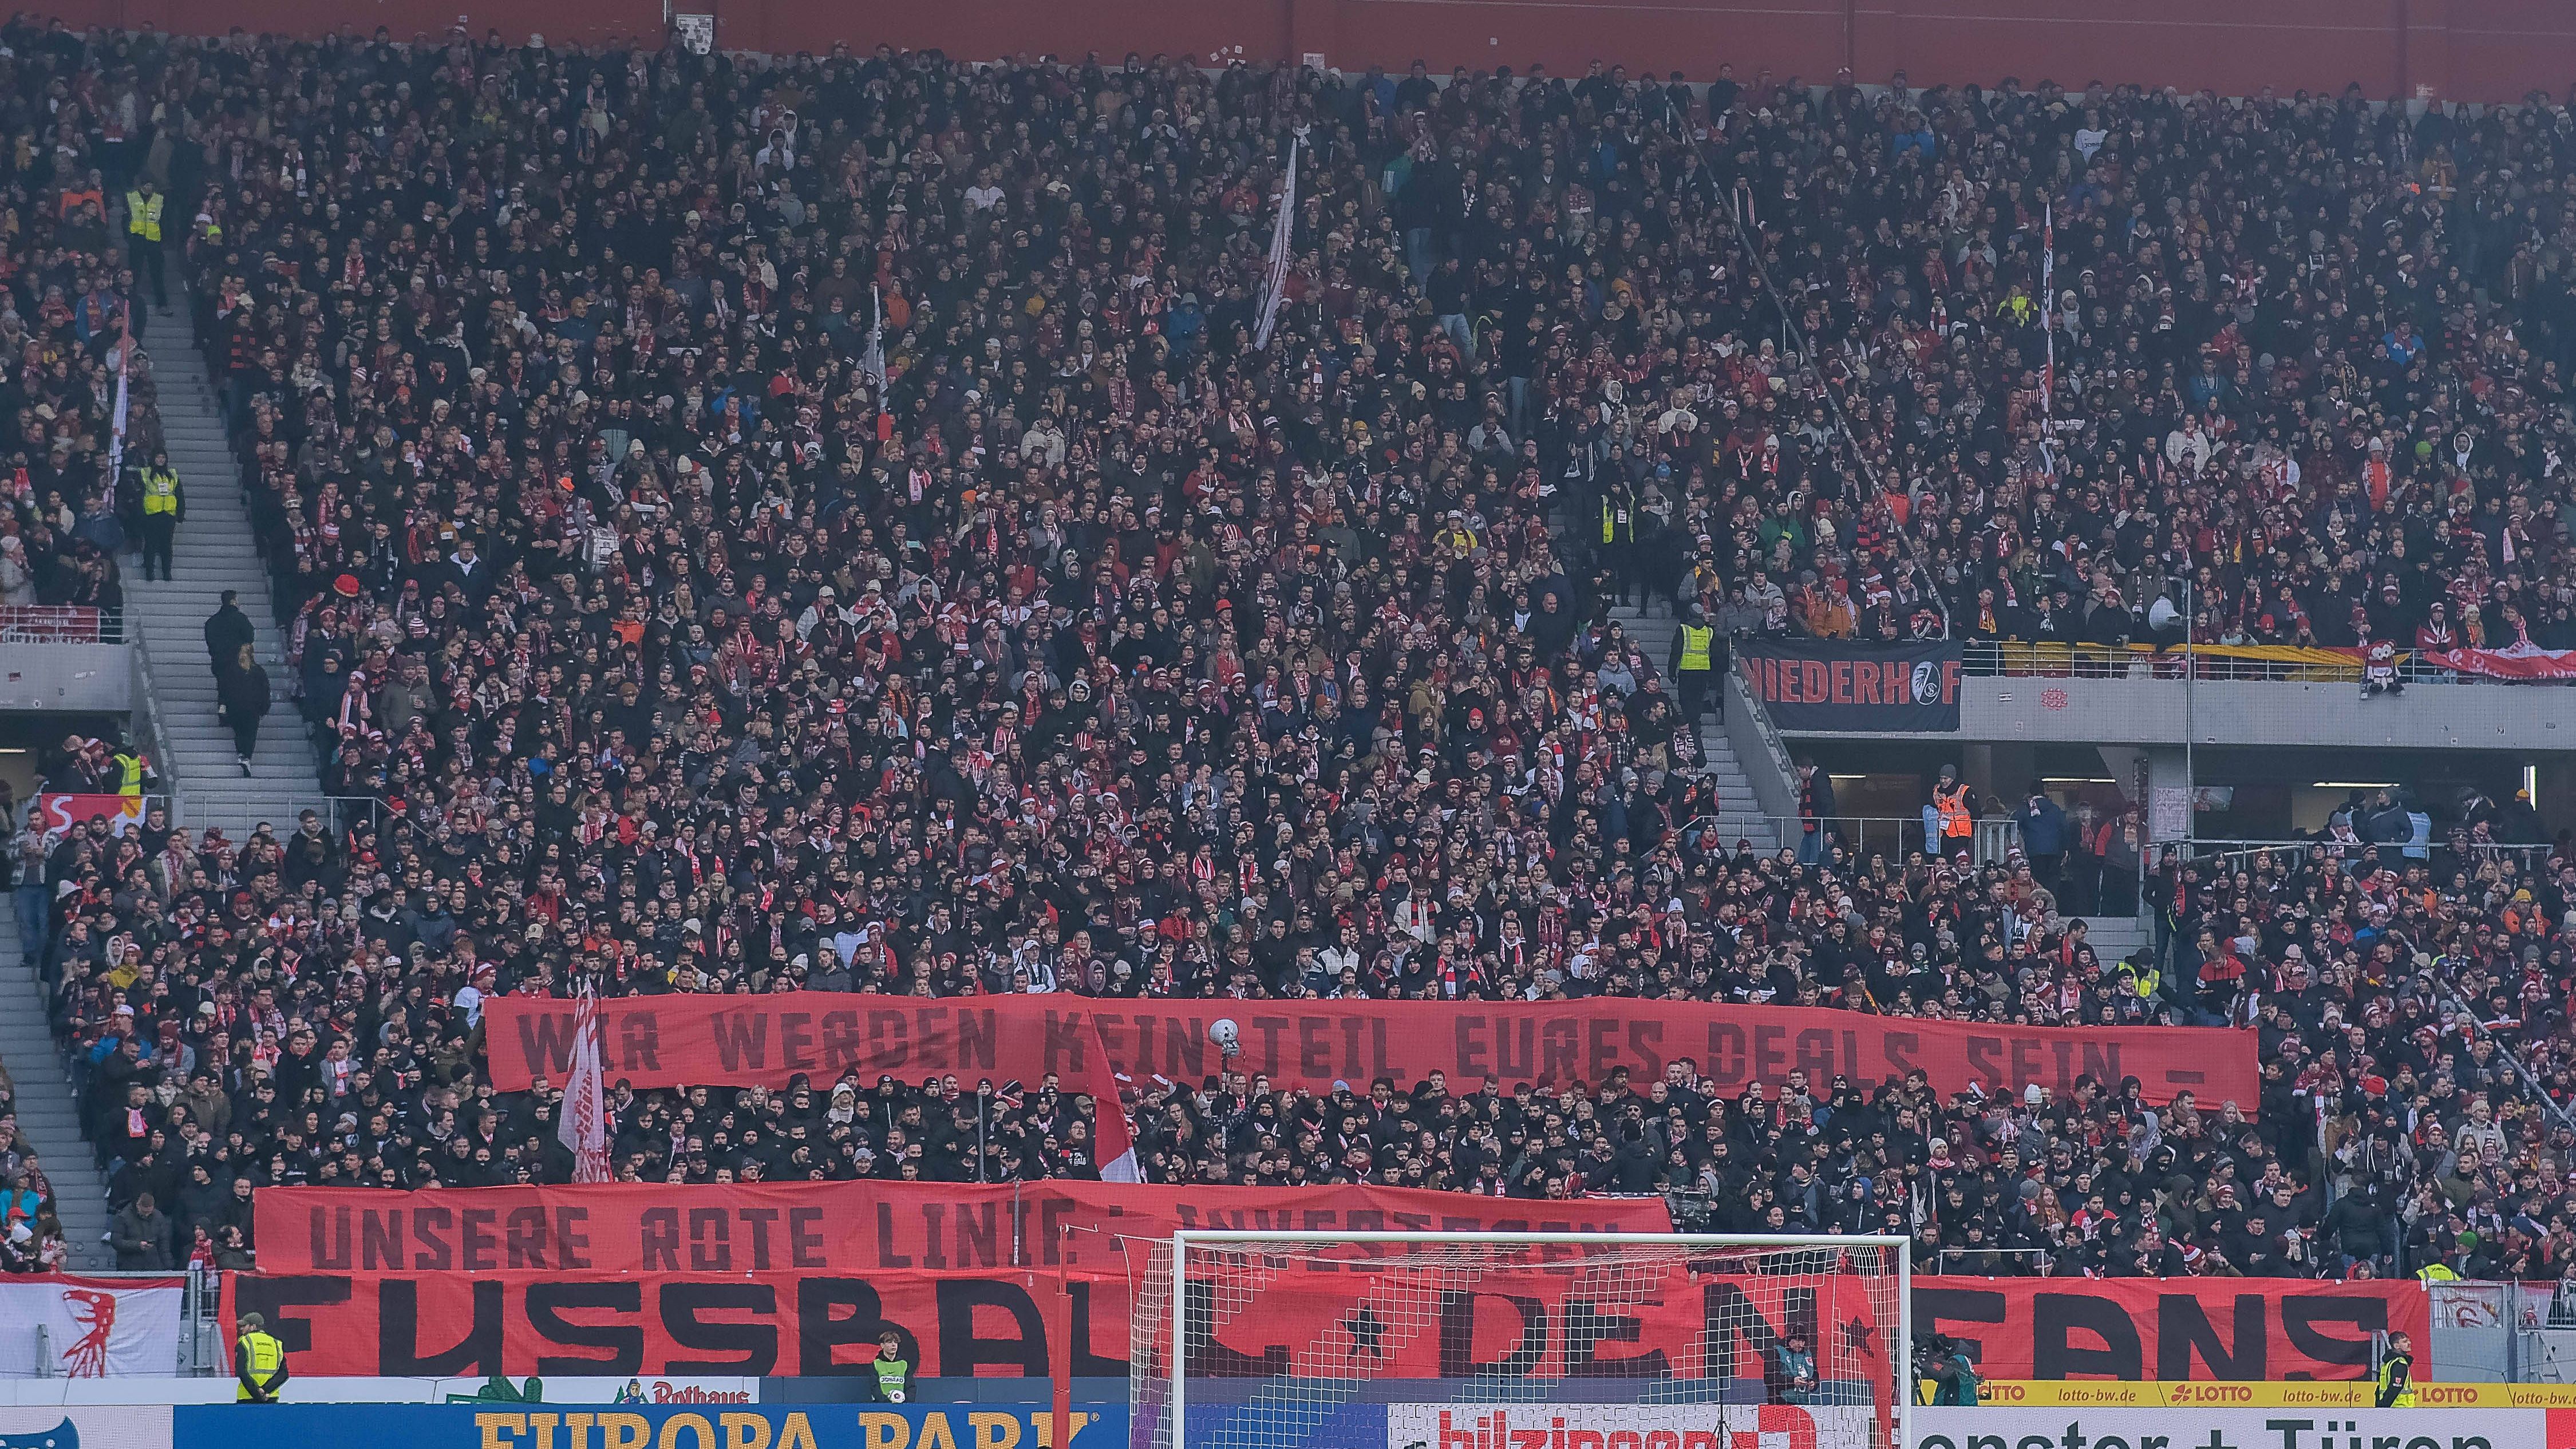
(2114, 937)
(48, 1116)
(1654, 635)
(216, 551)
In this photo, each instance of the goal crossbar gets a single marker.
(1899, 1249)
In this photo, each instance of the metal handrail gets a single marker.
(279, 809)
(60, 624)
(2203, 848)
(1994, 838)
(145, 706)
(2023, 658)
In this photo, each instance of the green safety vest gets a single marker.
(160, 491)
(264, 1354)
(143, 218)
(1696, 639)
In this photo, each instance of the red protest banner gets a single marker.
(745, 1040)
(888, 1226)
(665, 1041)
(2168, 1328)
(1654, 1321)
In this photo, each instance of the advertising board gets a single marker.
(1557, 1425)
(2075, 1427)
(105, 1426)
(2336, 1394)
(643, 1426)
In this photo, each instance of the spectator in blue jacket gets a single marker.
(2043, 836)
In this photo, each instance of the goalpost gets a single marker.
(1518, 1340)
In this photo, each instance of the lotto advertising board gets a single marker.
(2069, 1427)
(2294, 1394)
(640, 1426)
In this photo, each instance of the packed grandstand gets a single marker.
(825, 525)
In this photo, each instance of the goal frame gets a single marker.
(1901, 1345)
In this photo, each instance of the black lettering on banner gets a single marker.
(639, 1037)
(2183, 1329)
(1213, 1359)
(1086, 1364)
(710, 1240)
(1458, 1309)
(524, 1234)
(430, 1224)
(1937, 1308)
(380, 1240)
(742, 1039)
(2056, 1318)
(657, 1239)
(398, 1353)
(831, 1313)
(756, 1342)
(967, 1339)
(1727, 1313)
(275, 1300)
(545, 1040)
(325, 1253)
(1588, 1326)
(624, 1342)
(2305, 1317)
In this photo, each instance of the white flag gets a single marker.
(872, 366)
(582, 1122)
(1275, 284)
(92, 1327)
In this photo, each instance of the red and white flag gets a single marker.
(1274, 281)
(2048, 319)
(92, 1327)
(582, 1124)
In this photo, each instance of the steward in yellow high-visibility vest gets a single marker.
(259, 1363)
(1695, 665)
(143, 211)
(161, 491)
(2394, 1384)
(143, 206)
(165, 507)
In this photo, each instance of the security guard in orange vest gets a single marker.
(1951, 817)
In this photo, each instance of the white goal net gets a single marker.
(1516, 1341)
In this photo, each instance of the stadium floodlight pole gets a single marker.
(1900, 1344)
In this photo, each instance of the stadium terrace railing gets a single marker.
(2009, 658)
(1861, 835)
(60, 624)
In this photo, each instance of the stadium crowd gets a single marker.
(693, 630)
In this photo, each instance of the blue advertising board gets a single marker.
(644, 1426)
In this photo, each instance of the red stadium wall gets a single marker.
(2461, 49)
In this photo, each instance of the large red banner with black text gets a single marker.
(766, 1040)
(1573, 1320)
(1524, 1321)
(2250, 1329)
(847, 1227)
(666, 1041)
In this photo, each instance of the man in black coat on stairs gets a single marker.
(227, 630)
